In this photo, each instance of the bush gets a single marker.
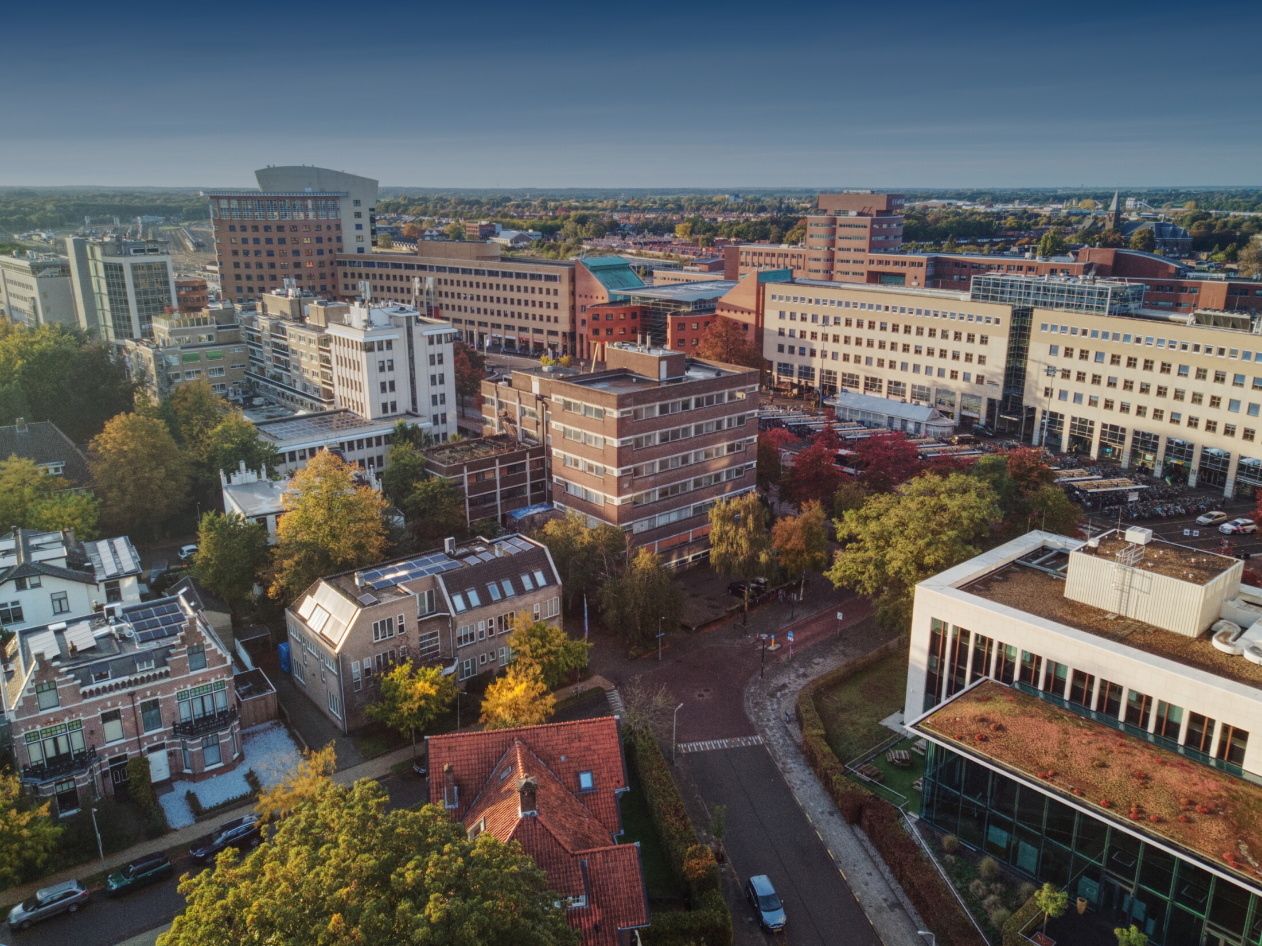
(140, 784)
(999, 916)
(1025, 892)
(977, 888)
(950, 843)
(988, 869)
(194, 803)
(1019, 920)
(253, 781)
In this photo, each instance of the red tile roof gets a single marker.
(571, 837)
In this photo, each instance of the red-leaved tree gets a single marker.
(770, 470)
(815, 473)
(1028, 468)
(885, 461)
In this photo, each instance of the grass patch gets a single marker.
(852, 711)
(899, 780)
(638, 825)
(579, 697)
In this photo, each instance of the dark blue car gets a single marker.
(766, 903)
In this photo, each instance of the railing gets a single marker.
(205, 724)
(59, 766)
(1131, 730)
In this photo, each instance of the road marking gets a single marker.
(615, 700)
(711, 744)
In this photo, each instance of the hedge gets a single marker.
(881, 821)
(1012, 930)
(709, 922)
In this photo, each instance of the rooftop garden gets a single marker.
(1155, 791)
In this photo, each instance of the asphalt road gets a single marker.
(767, 833)
(105, 922)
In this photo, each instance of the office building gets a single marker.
(498, 475)
(37, 289)
(191, 295)
(1088, 708)
(362, 442)
(289, 360)
(673, 316)
(452, 607)
(292, 227)
(647, 443)
(126, 283)
(187, 347)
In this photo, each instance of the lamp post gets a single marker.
(674, 723)
(660, 635)
(100, 849)
(763, 668)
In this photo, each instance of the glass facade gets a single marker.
(1121, 877)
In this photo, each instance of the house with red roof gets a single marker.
(554, 789)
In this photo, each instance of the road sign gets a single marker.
(790, 637)
(840, 616)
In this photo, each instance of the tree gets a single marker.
(343, 870)
(850, 495)
(1028, 468)
(1133, 936)
(235, 441)
(1052, 244)
(885, 460)
(192, 412)
(412, 434)
(232, 552)
(411, 231)
(683, 230)
(547, 647)
(301, 783)
(740, 546)
(815, 473)
(138, 472)
(770, 467)
(1052, 511)
(801, 542)
(33, 499)
(730, 342)
(646, 710)
(410, 700)
(1052, 902)
(899, 539)
(27, 835)
(519, 698)
(1144, 239)
(435, 509)
(405, 467)
(329, 525)
(584, 556)
(1250, 258)
(642, 601)
(469, 367)
(384, 240)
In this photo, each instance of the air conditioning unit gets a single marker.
(1138, 535)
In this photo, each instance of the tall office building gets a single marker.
(125, 283)
(292, 227)
(36, 289)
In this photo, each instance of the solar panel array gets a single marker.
(154, 623)
(391, 575)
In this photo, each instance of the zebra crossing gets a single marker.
(711, 744)
(615, 701)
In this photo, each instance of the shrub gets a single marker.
(140, 784)
(1024, 915)
(988, 869)
(253, 781)
(950, 843)
(194, 803)
(851, 805)
(999, 916)
(1025, 892)
(977, 888)
(698, 863)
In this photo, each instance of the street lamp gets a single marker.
(99, 847)
(763, 668)
(1050, 371)
(673, 725)
(659, 638)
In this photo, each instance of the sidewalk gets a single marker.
(766, 701)
(184, 837)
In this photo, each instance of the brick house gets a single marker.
(554, 789)
(86, 695)
(452, 608)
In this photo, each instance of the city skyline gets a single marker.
(658, 97)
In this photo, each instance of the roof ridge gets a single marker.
(489, 732)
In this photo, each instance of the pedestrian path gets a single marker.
(710, 744)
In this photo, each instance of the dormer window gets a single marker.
(477, 829)
(585, 782)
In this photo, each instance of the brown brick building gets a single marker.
(496, 474)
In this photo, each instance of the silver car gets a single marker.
(65, 897)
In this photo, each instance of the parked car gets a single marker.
(982, 430)
(65, 897)
(139, 873)
(1238, 526)
(186, 554)
(766, 903)
(961, 439)
(1211, 518)
(756, 587)
(238, 833)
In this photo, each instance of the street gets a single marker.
(105, 922)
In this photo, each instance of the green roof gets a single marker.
(613, 272)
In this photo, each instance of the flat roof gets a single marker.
(464, 451)
(890, 290)
(697, 291)
(1086, 764)
(327, 425)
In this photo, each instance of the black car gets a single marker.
(982, 430)
(139, 873)
(240, 833)
(757, 588)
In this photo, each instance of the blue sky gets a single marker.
(894, 95)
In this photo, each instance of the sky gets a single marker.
(718, 95)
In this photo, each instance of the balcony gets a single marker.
(62, 766)
(205, 724)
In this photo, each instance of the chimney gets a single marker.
(527, 790)
(359, 579)
(21, 425)
(451, 792)
(449, 546)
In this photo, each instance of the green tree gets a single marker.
(435, 509)
(193, 411)
(740, 543)
(232, 553)
(303, 782)
(584, 556)
(642, 601)
(519, 698)
(1051, 902)
(801, 542)
(27, 835)
(850, 495)
(1144, 240)
(548, 647)
(138, 472)
(329, 525)
(411, 700)
(1132, 936)
(1052, 511)
(899, 539)
(1250, 258)
(413, 434)
(33, 499)
(1052, 244)
(235, 441)
(343, 870)
(405, 467)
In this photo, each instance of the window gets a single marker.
(1138, 709)
(112, 725)
(46, 694)
(356, 681)
(382, 630)
(210, 751)
(150, 715)
(196, 657)
(61, 602)
(1231, 744)
(1169, 720)
(113, 591)
(33, 581)
(1200, 735)
(11, 613)
(585, 782)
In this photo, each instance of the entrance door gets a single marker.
(159, 765)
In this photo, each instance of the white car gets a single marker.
(1211, 518)
(187, 552)
(1237, 526)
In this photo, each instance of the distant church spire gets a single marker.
(1114, 217)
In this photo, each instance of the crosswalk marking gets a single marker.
(711, 744)
(615, 700)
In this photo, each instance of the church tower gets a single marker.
(1114, 217)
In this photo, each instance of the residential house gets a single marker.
(42, 442)
(48, 576)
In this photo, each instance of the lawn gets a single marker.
(637, 825)
(900, 780)
(852, 711)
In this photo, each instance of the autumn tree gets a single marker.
(410, 699)
(643, 600)
(729, 342)
(1250, 257)
(27, 835)
(232, 553)
(519, 698)
(801, 542)
(584, 557)
(138, 472)
(770, 466)
(33, 499)
(344, 869)
(647, 709)
(469, 368)
(1144, 240)
(885, 460)
(235, 441)
(547, 646)
(1027, 467)
(329, 525)
(300, 784)
(899, 539)
(740, 545)
(192, 411)
(815, 473)
(405, 467)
